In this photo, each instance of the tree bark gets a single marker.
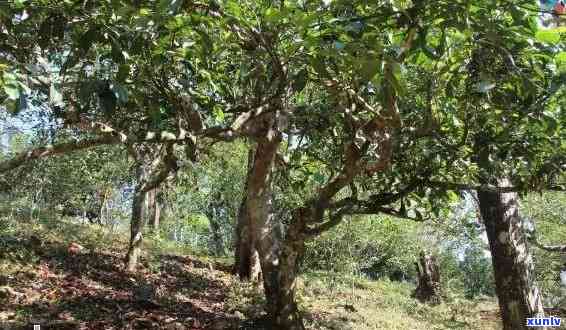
(157, 215)
(278, 258)
(217, 245)
(137, 220)
(246, 257)
(280, 281)
(428, 279)
(52, 150)
(153, 210)
(151, 171)
(246, 265)
(518, 294)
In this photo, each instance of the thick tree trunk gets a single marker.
(280, 281)
(246, 264)
(428, 280)
(278, 259)
(518, 294)
(137, 220)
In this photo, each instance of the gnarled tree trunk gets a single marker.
(278, 259)
(518, 294)
(280, 285)
(428, 279)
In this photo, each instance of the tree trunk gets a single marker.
(278, 259)
(518, 294)
(137, 220)
(217, 242)
(246, 257)
(428, 280)
(153, 210)
(156, 215)
(280, 281)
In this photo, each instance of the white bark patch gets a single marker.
(503, 237)
(534, 299)
(522, 253)
(563, 277)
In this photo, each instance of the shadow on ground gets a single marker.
(46, 285)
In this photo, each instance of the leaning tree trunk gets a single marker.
(428, 280)
(518, 294)
(278, 259)
(137, 220)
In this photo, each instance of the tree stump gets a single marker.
(428, 280)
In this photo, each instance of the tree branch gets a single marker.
(51, 150)
(549, 248)
(170, 167)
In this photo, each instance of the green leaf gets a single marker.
(117, 54)
(123, 72)
(20, 3)
(108, 100)
(548, 36)
(272, 15)
(219, 114)
(300, 80)
(12, 90)
(319, 66)
(370, 67)
(560, 60)
(233, 7)
(88, 39)
(318, 178)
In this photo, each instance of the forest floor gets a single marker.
(41, 282)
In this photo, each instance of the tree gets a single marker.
(428, 279)
(377, 95)
(150, 173)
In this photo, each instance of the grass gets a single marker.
(356, 303)
(39, 280)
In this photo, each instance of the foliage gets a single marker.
(380, 247)
(548, 211)
(415, 90)
(198, 188)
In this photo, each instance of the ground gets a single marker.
(42, 281)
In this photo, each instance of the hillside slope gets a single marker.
(43, 282)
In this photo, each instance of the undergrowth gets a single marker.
(197, 293)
